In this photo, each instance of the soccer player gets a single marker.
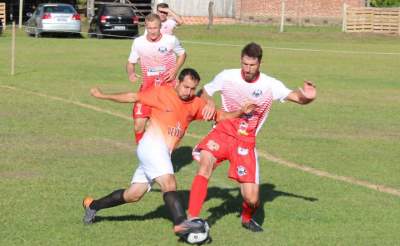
(235, 139)
(161, 56)
(172, 111)
(169, 19)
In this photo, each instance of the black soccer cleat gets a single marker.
(253, 226)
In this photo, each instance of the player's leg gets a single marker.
(139, 127)
(140, 115)
(118, 197)
(198, 191)
(250, 194)
(173, 203)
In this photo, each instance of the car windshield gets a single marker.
(59, 9)
(118, 11)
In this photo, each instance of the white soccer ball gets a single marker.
(201, 236)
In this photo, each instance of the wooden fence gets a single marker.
(3, 14)
(373, 20)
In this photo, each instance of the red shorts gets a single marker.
(241, 155)
(141, 111)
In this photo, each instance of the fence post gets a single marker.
(282, 16)
(210, 14)
(21, 9)
(344, 18)
(398, 23)
(13, 49)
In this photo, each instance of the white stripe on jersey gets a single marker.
(235, 92)
(155, 54)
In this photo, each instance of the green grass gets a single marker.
(53, 153)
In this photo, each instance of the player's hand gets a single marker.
(208, 111)
(96, 92)
(133, 77)
(249, 108)
(170, 75)
(165, 10)
(309, 90)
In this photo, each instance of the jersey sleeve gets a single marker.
(134, 55)
(279, 90)
(215, 85)
(178, 49)
(198, 108)
(150, 97)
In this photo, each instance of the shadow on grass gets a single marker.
(181, 157)
(231, 203)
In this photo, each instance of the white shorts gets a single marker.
(154, 160)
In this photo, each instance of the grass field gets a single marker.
(58, 144)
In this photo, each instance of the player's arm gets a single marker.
(130, 69)
(303, 95)
(246, 109)
(209, 110)
(172, 73)
(124, 97)
(175, 16)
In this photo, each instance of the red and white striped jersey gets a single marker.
(236, 92)
(156, 58)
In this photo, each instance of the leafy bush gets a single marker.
(385, 3)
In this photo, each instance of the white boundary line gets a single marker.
(296, 49)
(265, 155)
(265, 47)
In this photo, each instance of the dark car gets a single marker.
(116, 20)
(1, 26)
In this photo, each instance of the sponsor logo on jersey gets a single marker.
(257, 93)
(212, 145)
(162, 49)
(243, 128)
(242, 151)
(175, 131)
(241, 170)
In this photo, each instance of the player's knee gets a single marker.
(167, 184)
(207, 162)
(131, 197)
(139, 126)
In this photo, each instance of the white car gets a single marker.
(54, 18)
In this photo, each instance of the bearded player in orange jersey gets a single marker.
(172, 111)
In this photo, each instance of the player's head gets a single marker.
(188, 80)
(153, 25)
(250, 61)
(163, 15)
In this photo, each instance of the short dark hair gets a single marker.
(162, 5)
(252, 50)
(188, 72)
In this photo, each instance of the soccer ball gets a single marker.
(201, 236)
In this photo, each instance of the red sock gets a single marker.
(248, 211)
(198, 194)
(138, 136)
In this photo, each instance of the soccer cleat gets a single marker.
(252, 226)
(189, 226)
(90, 214)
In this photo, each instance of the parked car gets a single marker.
(1, 26)
(112, 19)
(53, 18)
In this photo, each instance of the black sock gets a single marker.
(174, 206)
(114, 199)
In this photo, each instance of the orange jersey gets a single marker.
(170, 116)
